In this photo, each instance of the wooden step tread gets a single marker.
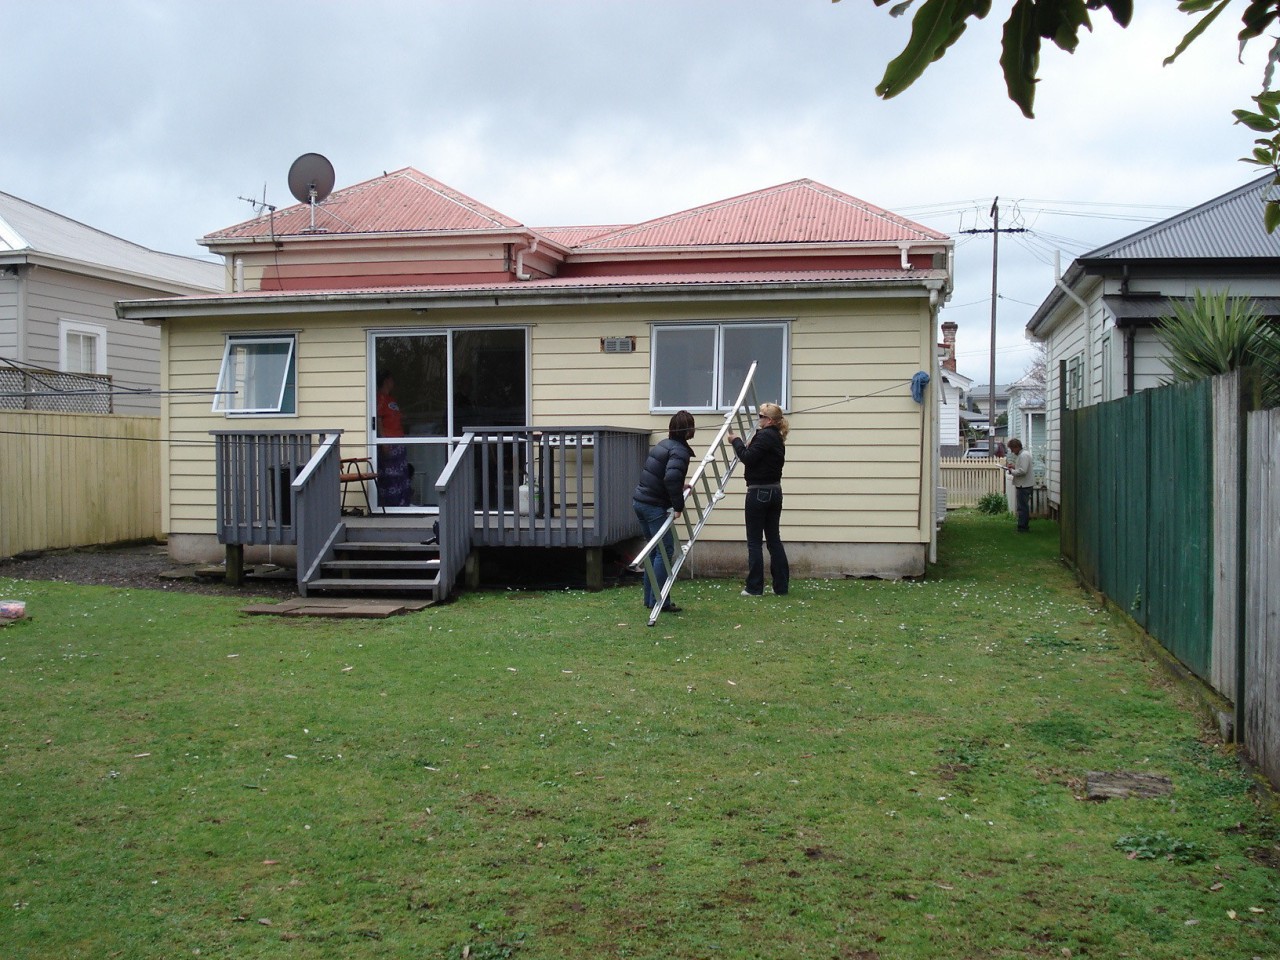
(385, 546)
(382, 585)
(400, 563)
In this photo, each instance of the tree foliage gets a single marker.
(937, 24)
(1218, 333)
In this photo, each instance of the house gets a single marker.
(59, 282)
(979, 399)
(570, 338)
(1099, 322)
(951, 434)
(1026, 420)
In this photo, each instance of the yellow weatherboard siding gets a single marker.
(853, 465)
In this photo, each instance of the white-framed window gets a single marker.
(258, 376)
(1106, 366)
(82, 347)
(1074, 387)
(701, 366)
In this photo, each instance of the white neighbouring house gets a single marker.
(1099, 322)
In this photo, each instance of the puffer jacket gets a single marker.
(763, 458)
(661, 481)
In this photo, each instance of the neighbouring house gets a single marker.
(951, 438)
(979, 398)
(59, 283)
(1026, 420)
(565, 340)
(1099, 322)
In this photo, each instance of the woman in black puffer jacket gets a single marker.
(762, 460)
(661, 488)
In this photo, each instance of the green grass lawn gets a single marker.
(861, 769)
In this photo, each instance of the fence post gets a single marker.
(1248, 399)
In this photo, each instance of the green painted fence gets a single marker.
(1137, 511)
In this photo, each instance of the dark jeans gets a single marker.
(763, 511)
(651, 520)
(1024, 507)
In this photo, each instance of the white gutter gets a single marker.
(1088, 327)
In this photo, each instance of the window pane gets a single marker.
(418, 365)
(488, 379)
(258, 376)
(683, 371)
(766, 345)
(82, 353)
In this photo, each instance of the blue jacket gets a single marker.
(661, 481)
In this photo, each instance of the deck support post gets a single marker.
(595, 568)
(235, 564)
(471, 570)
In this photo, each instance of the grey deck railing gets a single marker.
(317, 500)
(556, 486)
(253, 482)
(502, 486)
(456, 493)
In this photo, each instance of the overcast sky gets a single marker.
(149, 119)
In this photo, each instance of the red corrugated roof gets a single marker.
(572, 236)
(802, 211)
(406, 201)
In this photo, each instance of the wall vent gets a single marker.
(617, 344)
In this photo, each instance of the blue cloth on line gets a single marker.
(918, 383)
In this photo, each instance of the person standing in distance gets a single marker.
(762, 460)
(1020, 472)
(661, 487)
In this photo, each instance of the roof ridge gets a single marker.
(680, 215)
(830, 193)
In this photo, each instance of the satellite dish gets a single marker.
(310, 178)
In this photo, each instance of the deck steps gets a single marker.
(381, 567)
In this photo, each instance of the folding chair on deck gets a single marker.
(358, 470)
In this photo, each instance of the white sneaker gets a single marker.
(748, 593)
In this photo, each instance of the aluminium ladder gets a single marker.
(705, 490)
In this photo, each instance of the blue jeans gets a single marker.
(763, 512)
(651, 519)
(1024, 507)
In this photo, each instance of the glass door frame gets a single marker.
(449, 439)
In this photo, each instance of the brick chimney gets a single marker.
(949, 345)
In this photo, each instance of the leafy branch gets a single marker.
(938, 24)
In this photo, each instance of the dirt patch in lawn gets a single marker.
(143, 567)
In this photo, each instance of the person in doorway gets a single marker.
(1020, 471)
(662, 488)
(395, 481)
(762, 460)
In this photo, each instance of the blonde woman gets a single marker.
(762, 461)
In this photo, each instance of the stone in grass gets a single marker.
(1118, 784)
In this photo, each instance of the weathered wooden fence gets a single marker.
(69, 480)
(1261, 686)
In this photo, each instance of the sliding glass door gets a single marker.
(428, 389)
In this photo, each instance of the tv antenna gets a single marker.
(260, 206)
(310, 181)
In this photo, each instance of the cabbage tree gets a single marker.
(1217, 333)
